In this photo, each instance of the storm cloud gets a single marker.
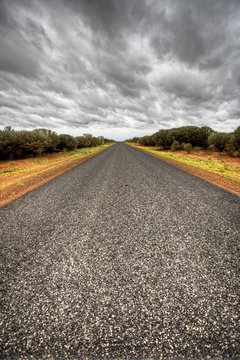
(119, 68)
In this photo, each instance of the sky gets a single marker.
(119, 68)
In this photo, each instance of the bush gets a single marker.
(188, 148)
(51, 139)
(95, 141)
(87, 140)
(163, 138)
(236, 139)
(211, 149)
(230, 147)
(24, 143)
(196, 150)
(219, 140)
(146, 140)
(67, 142)
(199, 137)
(186, 134)
(135, 139)
(21, 144)
(175, 146)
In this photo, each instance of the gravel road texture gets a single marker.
(122, 257)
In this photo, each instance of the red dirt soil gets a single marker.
(215, 179)
(14, 191)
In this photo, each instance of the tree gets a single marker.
(236, 138)
(146, 140)
(95, 141)
(219, 140)
(163, 138)
(203, 134)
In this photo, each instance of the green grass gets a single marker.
(215, 166)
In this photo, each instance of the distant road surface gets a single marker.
(122, 257)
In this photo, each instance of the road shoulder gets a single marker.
(24, 183)
(230, 185)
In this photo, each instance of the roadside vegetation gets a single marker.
(213, 163)
(27, 144)
(193, 138)
(212, 155)
(31, 158)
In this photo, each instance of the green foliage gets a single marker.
(163, 138)
(50, 137)
(186, 134)
(188, 148)
(175, 146)
(236, 139)
(108, 141)
(211, 149)
(95, 141)
(20, 144)
(219, 140)
(24, 144)
(135, 139)
(196, 150)
(198, 137)
(189, 134)
(147, 140)
(67, 142)
(87, 140)
(231, 147)
(202, 136)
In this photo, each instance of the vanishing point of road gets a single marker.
(122, 257)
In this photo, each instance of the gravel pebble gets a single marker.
(122, 257)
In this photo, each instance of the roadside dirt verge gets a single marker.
(215, 179)
(32, 180)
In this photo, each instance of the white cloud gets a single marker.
(77, 66)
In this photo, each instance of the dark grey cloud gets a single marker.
(14, 58)
(119, 67)
(112, 18)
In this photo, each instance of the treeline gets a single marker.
(24, 144)
(189, 137)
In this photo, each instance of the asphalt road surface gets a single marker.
(122, 257)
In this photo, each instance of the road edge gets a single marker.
(50, 175)
(203, 174)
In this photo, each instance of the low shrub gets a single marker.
(211, 149)
(67, 142)
(196, 150)
(175, 146)
(188, 148)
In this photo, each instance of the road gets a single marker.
(124, 256)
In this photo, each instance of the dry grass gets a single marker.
(20, 176)
(219, 169)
